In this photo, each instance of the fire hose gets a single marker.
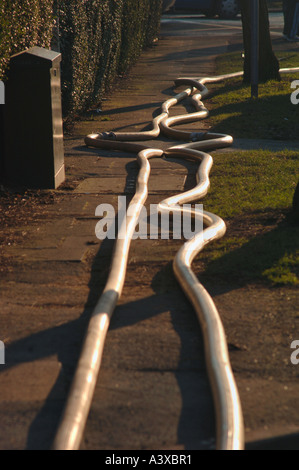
(230, 427)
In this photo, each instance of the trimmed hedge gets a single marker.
(23, 24)
(99, 39)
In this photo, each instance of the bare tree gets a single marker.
(268, 63)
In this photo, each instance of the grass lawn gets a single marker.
(253, 190)
(272, 116)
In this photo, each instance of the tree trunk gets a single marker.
(268, 63)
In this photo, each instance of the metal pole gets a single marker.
(254, 48)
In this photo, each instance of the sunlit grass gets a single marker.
(272, 116)
(250, 186)
(252, 180)
(254, 184)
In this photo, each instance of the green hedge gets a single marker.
(23, 24)
(99, 39)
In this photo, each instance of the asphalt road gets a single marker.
(177, 24)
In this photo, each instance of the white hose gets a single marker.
(230, 427)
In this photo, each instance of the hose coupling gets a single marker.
(108, 136)
(195, 136)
